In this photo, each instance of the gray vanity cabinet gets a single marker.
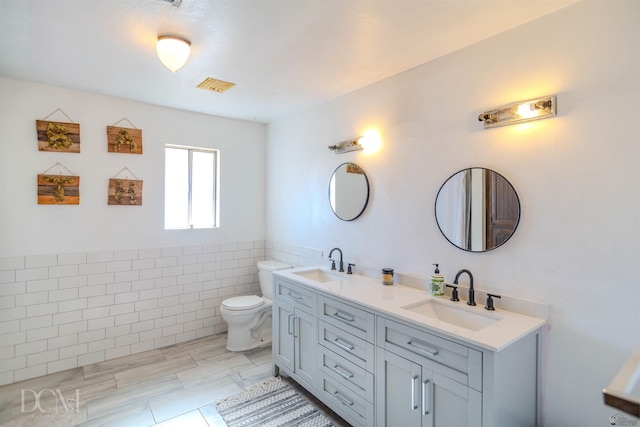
(377, 369)
(426, 380)
(410, 394)
(295, 339)
(346, 335)
(431, 380)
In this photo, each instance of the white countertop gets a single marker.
(624, 391)
(371, 293)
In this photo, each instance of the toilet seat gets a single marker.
(241, 303)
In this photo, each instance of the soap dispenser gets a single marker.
(436, 283)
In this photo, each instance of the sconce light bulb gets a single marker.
(527, 110)
(370, 141)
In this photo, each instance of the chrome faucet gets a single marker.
(333, 264)
(472, 293)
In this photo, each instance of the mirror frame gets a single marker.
(517, 219)
(366, 201)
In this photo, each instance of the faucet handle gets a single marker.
(454, 292)
(489, 305)
(333, 263)
(349, 271)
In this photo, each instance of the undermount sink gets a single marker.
(318, 275)
(461, 317)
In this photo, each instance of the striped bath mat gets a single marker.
(273, 403)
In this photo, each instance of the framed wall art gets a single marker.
(124, 191)
(58, 189)
(60, 137)
(124, 140)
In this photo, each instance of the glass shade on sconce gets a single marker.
(518, 112)
(173, 52)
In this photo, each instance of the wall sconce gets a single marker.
(346, 146)
(519, 112)
(173, 51)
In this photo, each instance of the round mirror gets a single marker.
(477, 209)
(348, 191)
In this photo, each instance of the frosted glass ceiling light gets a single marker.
(173, 52)
(519, 112)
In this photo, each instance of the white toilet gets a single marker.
(249, 316)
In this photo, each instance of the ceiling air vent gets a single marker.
(175, 3)
(215, 85)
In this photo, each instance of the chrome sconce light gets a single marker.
(346, 146)
(519, 112)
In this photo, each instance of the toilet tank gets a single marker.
(265, 275)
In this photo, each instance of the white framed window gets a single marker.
(191, 187)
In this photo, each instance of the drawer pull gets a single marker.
(344, 316)
(425, 397)
(343, 344)
(294, 296)
(413, 393)
(342, 399)
(343, 372)
(427, 351)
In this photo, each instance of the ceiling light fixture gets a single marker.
(519, 112)
(173, 51)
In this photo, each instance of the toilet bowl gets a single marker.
(249, 316)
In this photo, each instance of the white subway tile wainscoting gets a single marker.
(67, 310)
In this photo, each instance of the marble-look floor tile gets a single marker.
(190, 419)
(259, 355)
(172, 404)
(214, 349)
(173, 386)
(213, 417)
(250, 377)
(12, 393)
(144, 373)
(129, 416)
(123, 363)
(49, 403)
(89, 389)
(195, 347)
(211, 369)
(132, 396)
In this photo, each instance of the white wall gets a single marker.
(577, 247)
(28, 228)
(86, 283)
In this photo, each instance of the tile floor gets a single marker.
(171, 386)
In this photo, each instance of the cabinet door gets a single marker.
(409, 394)
(305, 332)
(283, 339)
(449, 403)
(398, 386)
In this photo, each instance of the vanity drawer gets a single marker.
(346, 403)
(347, 317)
(296, 295)
(352, 348)
(347, 373)
(457, 361)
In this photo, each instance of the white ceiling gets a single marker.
(283, 55)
